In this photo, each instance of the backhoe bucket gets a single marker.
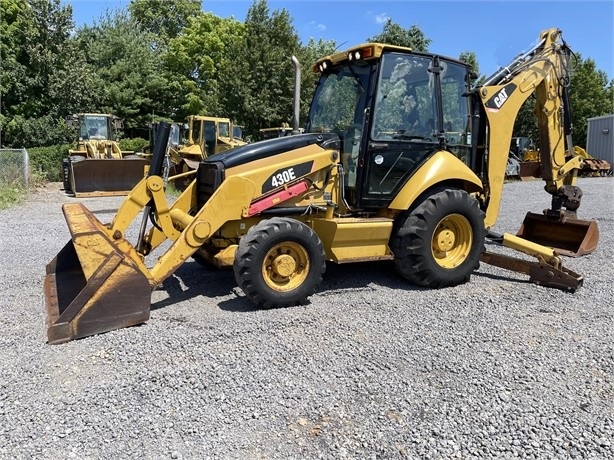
(567, 236)
(106, 177)
(92, 285)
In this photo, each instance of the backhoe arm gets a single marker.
(542, 70)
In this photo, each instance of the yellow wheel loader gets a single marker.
(592, 166)
(206, 136)
(97, 166)
(530, 165)
(272, 133)
(400, 160)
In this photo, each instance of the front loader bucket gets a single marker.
(567, 236)
(92, 286)
(106, 177)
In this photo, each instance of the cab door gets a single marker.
(411, 120)
(403, 129)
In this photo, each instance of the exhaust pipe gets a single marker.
(296, 103)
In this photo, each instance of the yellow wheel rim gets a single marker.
(452, 241)
(285, 266)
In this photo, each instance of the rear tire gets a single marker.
(439, 243)
(67, 170)
(66, 174)
(279, 263)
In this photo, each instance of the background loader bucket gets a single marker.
(570, 237)
(102, 177)
(91, 286)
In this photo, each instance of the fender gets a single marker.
(441, 167)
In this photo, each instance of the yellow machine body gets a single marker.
(354, 187)
(97, 166)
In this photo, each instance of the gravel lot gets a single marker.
(372, 368)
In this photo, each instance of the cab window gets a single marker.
(405, 107)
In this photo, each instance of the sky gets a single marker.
(495, 30)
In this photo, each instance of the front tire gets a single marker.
(439, 243)
(279, 263)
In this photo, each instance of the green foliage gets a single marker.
(36, 53)
(198, 74)
(130, 82)
(40, 31)
(259, 85)
(21, 132)
(11, 194)
(393, 34)
(135, 144)
(169, 59)
(163, 18)
(590, 95)
(48, 160)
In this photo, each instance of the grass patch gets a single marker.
(11, 195)
(172, 190)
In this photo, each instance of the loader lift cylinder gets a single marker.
(159, 150)
(155, 169)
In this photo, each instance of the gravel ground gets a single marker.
(372, 368)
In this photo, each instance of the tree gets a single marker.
(590, 95)
(469, 57)
(393, 34)
(37, 56)
(129, 79)
(12, 62)
(307, 56)
(196, 60)
(258, 87)
(163, 18)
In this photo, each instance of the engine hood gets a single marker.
(265, 149)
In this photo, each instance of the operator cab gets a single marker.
(96, 127)
(392, 110)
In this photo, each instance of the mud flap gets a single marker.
(91, 286)
(567, 236)
(106, 177)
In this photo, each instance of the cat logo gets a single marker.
(500, 98)
(496, 102)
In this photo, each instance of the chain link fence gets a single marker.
(14, 167)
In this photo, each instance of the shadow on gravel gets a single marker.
(192, 280)
(509, 277)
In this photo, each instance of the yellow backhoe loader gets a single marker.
(401, 160)
(97, 166)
